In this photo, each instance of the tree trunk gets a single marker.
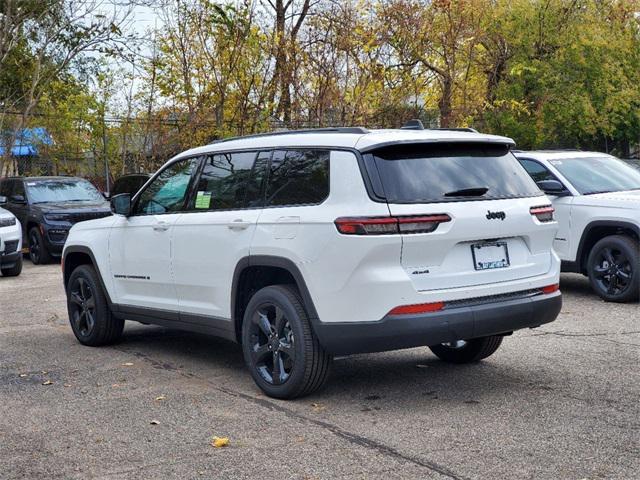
(444, 104)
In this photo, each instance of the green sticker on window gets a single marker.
(203, 200)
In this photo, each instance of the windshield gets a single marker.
(591, 175)
(45, 191)
(451, 172)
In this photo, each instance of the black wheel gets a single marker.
(15, 270)
(280, 349)
(38, 252)
(91, 320)
(612, 267)
(467, 351)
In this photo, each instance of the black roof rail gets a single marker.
(457, 129)
(414, 124)
(356, 130)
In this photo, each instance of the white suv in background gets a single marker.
(10, 243)
(597, 202)
(304, 245)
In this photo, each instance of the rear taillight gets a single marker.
(543, 213)
(417, 308)
(390, 225)
(550, 288)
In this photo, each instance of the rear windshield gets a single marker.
(449, 172)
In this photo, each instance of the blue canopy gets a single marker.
(28, 141)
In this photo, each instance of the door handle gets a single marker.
(238, 224)
(161, 227)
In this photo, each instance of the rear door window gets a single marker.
(231, 181)
(425, 173)
(298, 177)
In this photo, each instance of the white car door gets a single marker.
(216, 233)
(562, 205)
(140, 245)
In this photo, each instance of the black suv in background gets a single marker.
(47, 208)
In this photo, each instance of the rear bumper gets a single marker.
(450, 324)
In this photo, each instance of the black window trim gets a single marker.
(546, 168)
(357, 153)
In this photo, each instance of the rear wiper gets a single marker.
(468, 192)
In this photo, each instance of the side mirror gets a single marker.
(121, 204)
(3, 199)
(552, 187)
(18, 199)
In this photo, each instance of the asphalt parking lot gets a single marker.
(556, 402)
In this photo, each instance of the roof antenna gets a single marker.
(414, 124)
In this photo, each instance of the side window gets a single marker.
(18, 188)
(5, 188)
(231, 181)
(168, 190)
(536, 170)
(298, 177)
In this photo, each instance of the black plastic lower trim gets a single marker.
(220, 327)
(463, 323)
(9, 260)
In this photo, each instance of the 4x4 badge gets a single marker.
(493, 215)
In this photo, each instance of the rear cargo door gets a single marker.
(480, 199)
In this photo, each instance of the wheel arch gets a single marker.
(597, 230)
(76, 256)
(258, 271)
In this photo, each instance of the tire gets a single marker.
(38, 252)
(91, 320)
(468, 351)
(613, 268)
(15, 270)
(303, 364)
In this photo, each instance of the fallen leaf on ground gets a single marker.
(127, 364)
(67, 384)
(219, 442)
(161, 397)
(48, 382)
(154, 422)
(317, 407)
(115, 385)
(44, 372)
(23, 375)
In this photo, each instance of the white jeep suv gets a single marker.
(10, 242)
(304, 245)
(597, 202)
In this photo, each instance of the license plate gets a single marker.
(487, 256)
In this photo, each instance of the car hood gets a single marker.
(5, 213)
(72, 207)
(627, 199)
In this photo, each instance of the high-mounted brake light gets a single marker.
(390, 225)
(550, 288)
(417, 308)
(543, 213)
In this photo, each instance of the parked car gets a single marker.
(305, 245)
(129, 183)
(10, 243)
(597, 202)
(47, 207)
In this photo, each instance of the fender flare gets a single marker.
(86, 251)
(273, 261)
(601, 223)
